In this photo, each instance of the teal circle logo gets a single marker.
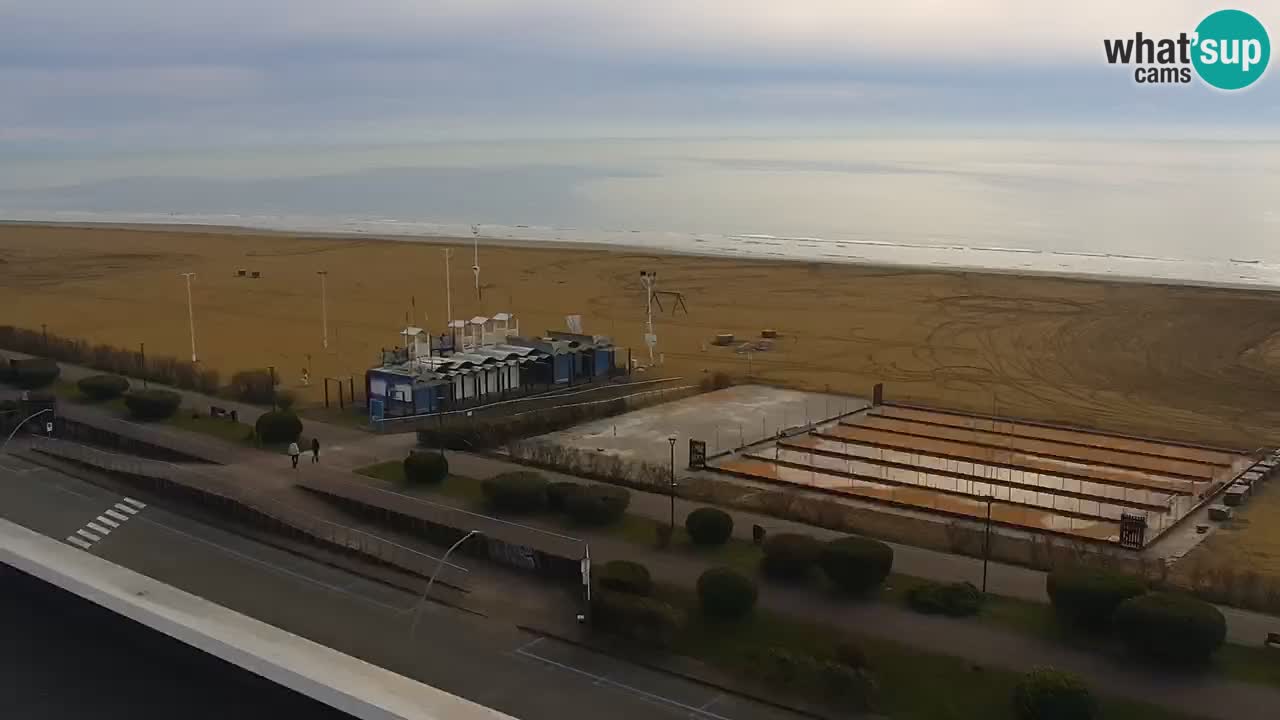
(1231, 49)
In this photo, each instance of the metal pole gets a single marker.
(142, 368)
(324, 306)
(986, 545)
(672, 440)
(418, 608)
(448, 292)
(41, 412)
(191, 316)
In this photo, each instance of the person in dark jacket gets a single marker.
(315, 450)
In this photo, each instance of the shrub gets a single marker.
(558, 491)
(278, 426)
(954, 599)
(643, 621)
(33, 372)
(709, 526)
(425, 468)
(789, 556)
(285, 400)
(597, 504)
(1089, 596)
(1047, 694)
(625, 576)
(252, 386)
(152, 404)
(1170, 627)
(725, 593)
(856, 564)
(100, 388)
(517, 492)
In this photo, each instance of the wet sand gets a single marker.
(1190, 363)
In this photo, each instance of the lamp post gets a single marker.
(986, 544)
(191, 316)
(18, 427)
(672, 440)
(142, 363)
(417, 613)
(324, 306)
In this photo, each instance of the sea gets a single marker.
(1183, 210)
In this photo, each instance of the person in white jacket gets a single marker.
(294, 452)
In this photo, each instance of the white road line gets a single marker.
(606, 681)
(108, 521)
(117, 515)
(126, 508)
(87, 535)
(712, 701)
(531, 643)
(135, 503)
(78, 542)
(97, 528)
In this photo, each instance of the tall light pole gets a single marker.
(324, 305)
(191, 316)
(448, 288)
(475, 266)
(18, 427)
(672, 440)
(417, 613)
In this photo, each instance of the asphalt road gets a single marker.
(487, 661)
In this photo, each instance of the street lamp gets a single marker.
(672, 440)
(18, 427)
(324, 306)
(191, 317)
(418, 609)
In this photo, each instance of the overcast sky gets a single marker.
(120, 73)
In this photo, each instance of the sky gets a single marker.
(99, 74)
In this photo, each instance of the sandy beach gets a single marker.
(1181, 362)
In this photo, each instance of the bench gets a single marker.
(1273, 640)
(220, 412)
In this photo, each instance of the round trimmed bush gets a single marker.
(625, 576)
(517, 492)
(1170, 627)
(856, 564)
(278, 426)
(597, 504)
(955, 599)
(725, 593)
(426, 468)
(1090, 596)
(33, 373)
(152, 404)
(285, 400)
(558, 491)
(790, 556)
(709, 526)
(100, 388)
(1048, 694)
(643, 621)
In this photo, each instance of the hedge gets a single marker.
(1170, 627)
(518, 492)
(252, 386)
(278, 426)
(625, 576)
(32, 373)
(955, 599)
(1089, 596)
(558, 491)
(856, 564)
(641, 621)
(789, 556)
(725, 593)
(152, 404)
(597, 504)
(425, 468)
(100, 388)
(1048, 694)
(709, 526)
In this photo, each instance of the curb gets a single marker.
(804, 711)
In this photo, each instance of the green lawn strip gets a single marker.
(912, 684)
(184, 419)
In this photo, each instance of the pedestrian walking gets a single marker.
(315, 450)
(294, 452)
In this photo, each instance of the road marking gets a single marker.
(97, 528)
(77, 541)
(601, 680)
(117, 515)
(126, 508)
(531, 643)
(87, 535)
(108, 521)
(135, 503)
(712, 701)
